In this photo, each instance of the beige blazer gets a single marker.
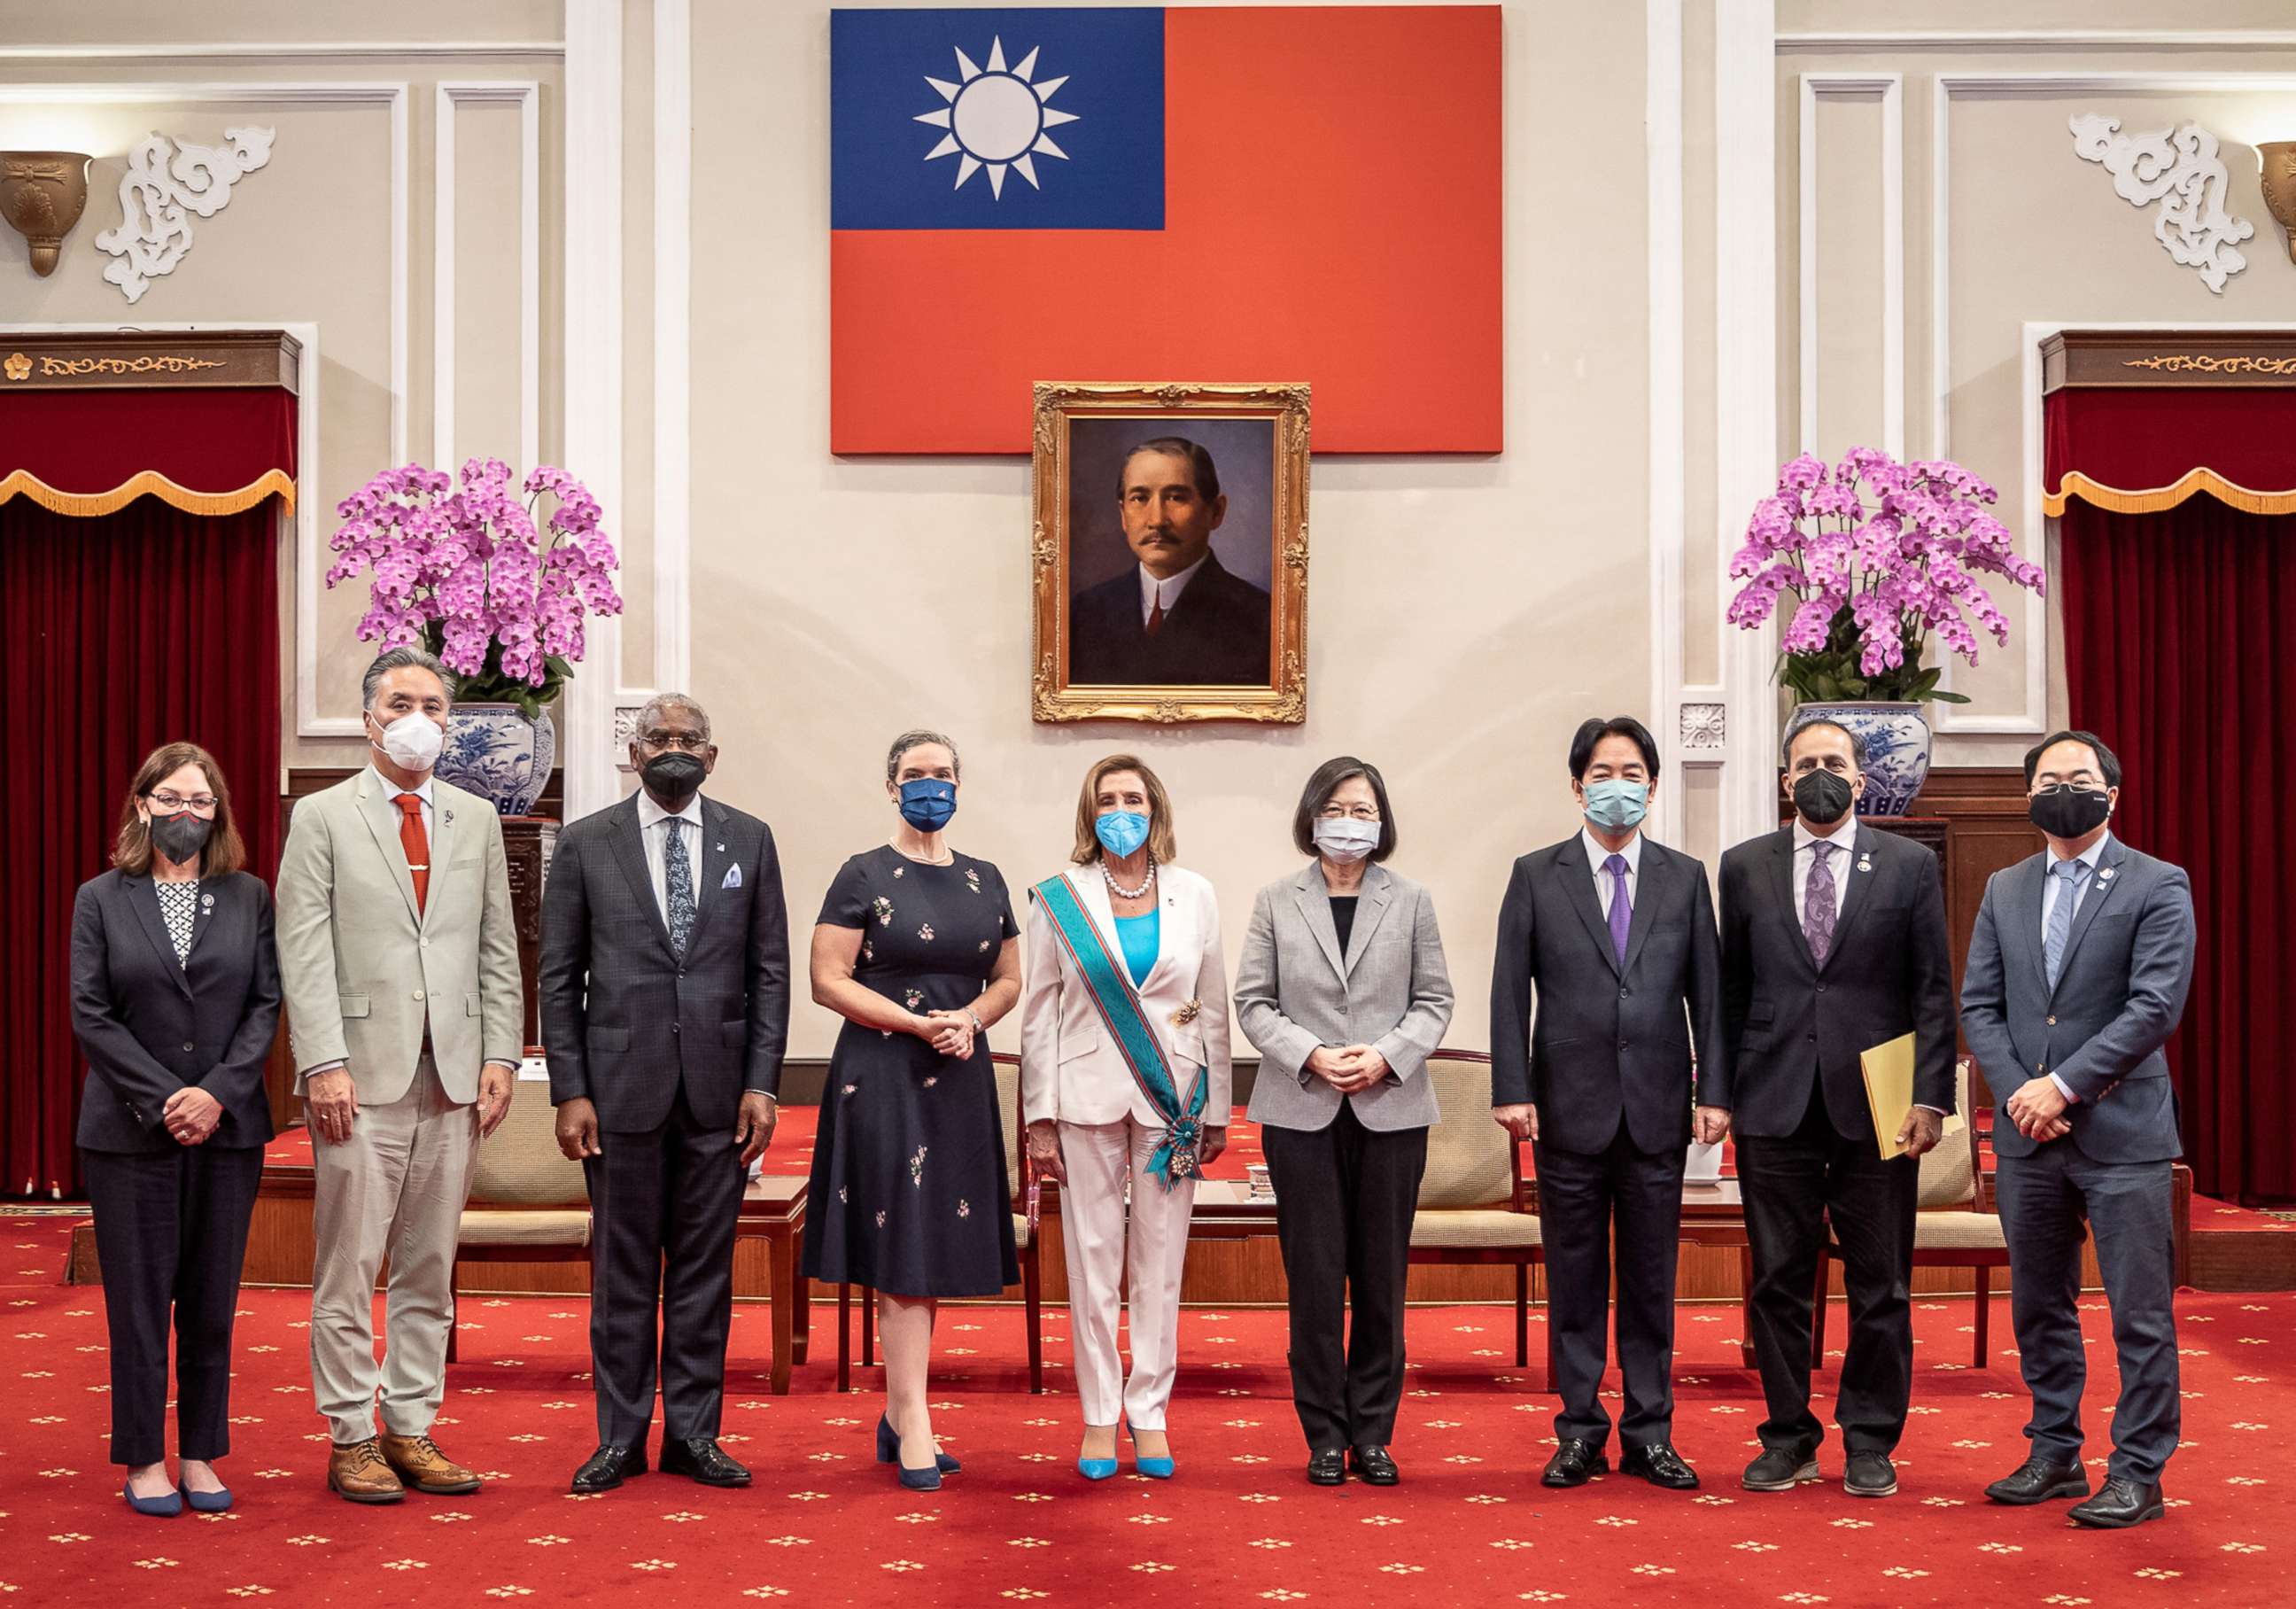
(364, 976)
(1071, 1070)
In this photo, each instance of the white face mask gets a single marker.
(1344, 839)
(412, 740)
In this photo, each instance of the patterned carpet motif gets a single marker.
(825, 1524)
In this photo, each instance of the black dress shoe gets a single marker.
(699, 1457)
(2039, 1481)
(1661, 1465)
(1328, 1468)
(1374, 1466)
(1574, 1462)
(607, 1468)
(2123, 1503)
(1780, 1469)
(1870, 1476)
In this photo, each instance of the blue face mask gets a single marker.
(1121, 832)
(1615, 804)
(928, 802)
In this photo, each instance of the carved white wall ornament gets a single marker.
(2179, 169)
(1703, 727)
(626, 733)
(167, 184)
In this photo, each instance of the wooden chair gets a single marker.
(529, 1203)
(1950, 1231)
(1018, 1178)
(1474, 1206)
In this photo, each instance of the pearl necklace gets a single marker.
(947, 857)
(1120, 891)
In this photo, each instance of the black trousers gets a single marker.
(664, 1204)
(1794, 1188)
(1344, 1199)
(1583, 1199)
(171, 1233)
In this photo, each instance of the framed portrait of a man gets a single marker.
(1170, 551)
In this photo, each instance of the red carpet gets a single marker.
(826, 1525)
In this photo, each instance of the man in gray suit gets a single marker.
(399, 963)
(2076, 976)
(1618, 934)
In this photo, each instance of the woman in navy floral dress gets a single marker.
(917, 950)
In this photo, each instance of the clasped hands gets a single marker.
(1349, 1069)
(949, 1033)
(191, 1115)
(2038, 1108)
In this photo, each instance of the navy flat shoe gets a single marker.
(160, 1508)
(205, 1502)
(889, 1448)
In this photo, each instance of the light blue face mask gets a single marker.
(1616, 804)
(1121, 832)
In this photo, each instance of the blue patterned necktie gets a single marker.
(2073, 874)
(677, 882)
(1622, 910)
(1818, 912)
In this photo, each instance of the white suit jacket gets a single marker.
(1071, 1069)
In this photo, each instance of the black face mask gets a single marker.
(181, 837)
(674, 778)
(1823, 797)
(2065, 811)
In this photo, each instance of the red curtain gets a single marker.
(117, 634)
(2177, 654)
(207, 450)
(2128, 441)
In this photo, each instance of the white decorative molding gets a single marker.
(1702, 728)
(1668, 503)
(2038, 38)
(169, 183)
(627, 708)
(593, 278)
(316, 50)
(1891, 88)
(1745, 387)
(673, 343)
(2175, 172)
(525, 93)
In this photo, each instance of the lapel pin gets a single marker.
(206, 902)
(2105, 875)
(450, 818)
(1864, 863)
(721, 849)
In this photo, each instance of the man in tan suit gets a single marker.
(401, 968)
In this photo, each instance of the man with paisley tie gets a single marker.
(665, 1010)
(1833, 941)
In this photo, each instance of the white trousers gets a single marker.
(397, 1187)
(1101, 1157)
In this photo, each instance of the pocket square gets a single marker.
(732, 878)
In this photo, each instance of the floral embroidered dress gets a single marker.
(909, 1191)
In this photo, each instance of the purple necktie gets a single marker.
(1817, 904)
(1622, 910)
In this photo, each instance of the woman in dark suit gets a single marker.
(174, 1001)
(1343, 988)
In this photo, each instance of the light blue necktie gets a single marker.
(678, 883)
(2061, 915)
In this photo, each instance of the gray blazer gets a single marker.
(2128, 965)
(1294, 991)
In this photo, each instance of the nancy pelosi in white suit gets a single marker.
(1095, 1121)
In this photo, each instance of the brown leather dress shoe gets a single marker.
(419, 1462)
(356, 1473)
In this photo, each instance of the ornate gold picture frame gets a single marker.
(1169, 551)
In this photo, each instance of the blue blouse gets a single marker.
(1139, 936)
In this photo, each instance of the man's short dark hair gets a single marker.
(2108, 763)
(1201, 469)
(1594, 729)
(1318, 793)
(1785, 749)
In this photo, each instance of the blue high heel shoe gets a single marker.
(889, 1448)
(164, 1508)
(1155, 1469)
(1096, 1469)
(205, 1502)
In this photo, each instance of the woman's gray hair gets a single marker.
(403, 658)
(652, 709)
(915, 738)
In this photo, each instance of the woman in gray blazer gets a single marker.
(1342, 988)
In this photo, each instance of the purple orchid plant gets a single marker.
(1877, 554)
(474, 577)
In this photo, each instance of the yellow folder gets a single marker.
(1890, 1092)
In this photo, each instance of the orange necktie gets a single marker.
(417, 844)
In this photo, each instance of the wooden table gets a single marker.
(1227, 1209)
(773, 1210)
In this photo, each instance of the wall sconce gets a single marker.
(42, 195)
(2277, 165)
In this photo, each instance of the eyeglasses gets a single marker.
(1362, 812)
(692, 742)
(169, 801)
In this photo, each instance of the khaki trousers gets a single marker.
(1101, 1159)
(396, 1187)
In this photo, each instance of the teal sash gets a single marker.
(1119, 1003)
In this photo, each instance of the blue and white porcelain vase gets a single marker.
(1897, 739)
(500, 753)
